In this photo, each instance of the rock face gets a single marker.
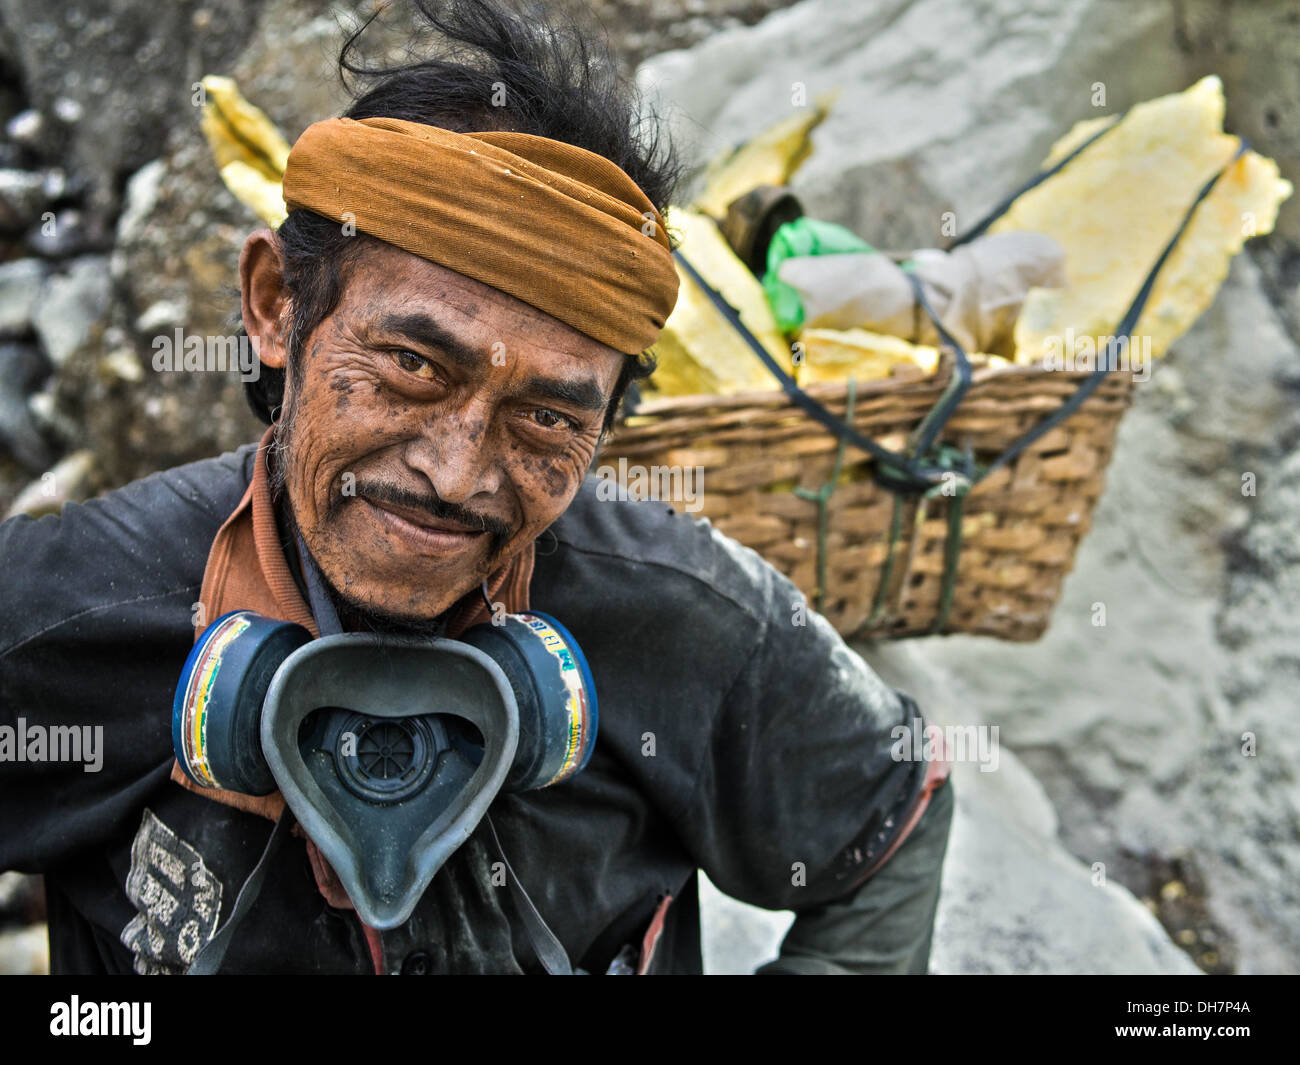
(132, 60)
(944, 106)
(1135, 727)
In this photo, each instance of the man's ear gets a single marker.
(262, 297)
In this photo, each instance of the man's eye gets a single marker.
(549, 419)
(413, 363)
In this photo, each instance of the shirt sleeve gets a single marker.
(95, 622)
(808, 780)
(885, 926)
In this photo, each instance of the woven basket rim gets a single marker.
(1018, 537)
(834, 390)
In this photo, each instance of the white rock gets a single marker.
(141, 196)
(1014, 900)
(70, 305)
(20, 287)
(25, 951)
(161, 314)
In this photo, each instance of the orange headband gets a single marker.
(559, 227)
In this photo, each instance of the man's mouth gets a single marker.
(423, 532)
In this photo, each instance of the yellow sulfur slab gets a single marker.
(249, 151)
(837, 354)
(265, 198)
(698, 351)
(235, 129)
(770, 158)
(1116, 205)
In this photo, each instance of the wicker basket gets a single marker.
(880, 557)
(1019, 526)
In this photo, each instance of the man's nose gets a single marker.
(458, 454)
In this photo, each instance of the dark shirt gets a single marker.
(733, 739)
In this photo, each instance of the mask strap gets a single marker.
(545, 945)
(213, 952)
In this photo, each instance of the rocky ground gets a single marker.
(1122, 745)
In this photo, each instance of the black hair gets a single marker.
(559, 83)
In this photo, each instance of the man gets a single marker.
(438, 377)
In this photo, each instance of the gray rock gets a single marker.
(141, 197)
(20, 287)
(133, 60)
(70, 304)
(23, 196)
(66, 234)
(73, 479)
(22, 368)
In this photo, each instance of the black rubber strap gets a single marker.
(955, 391)
(546, 946)
(213, 952)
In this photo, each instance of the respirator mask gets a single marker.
(387, 750)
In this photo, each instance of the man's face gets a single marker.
(434, 427)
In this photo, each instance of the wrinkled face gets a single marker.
(434, 427)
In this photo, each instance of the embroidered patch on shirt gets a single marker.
(178, 899)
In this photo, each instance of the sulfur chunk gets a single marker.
(1115, 206)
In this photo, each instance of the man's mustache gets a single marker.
(436, 508)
